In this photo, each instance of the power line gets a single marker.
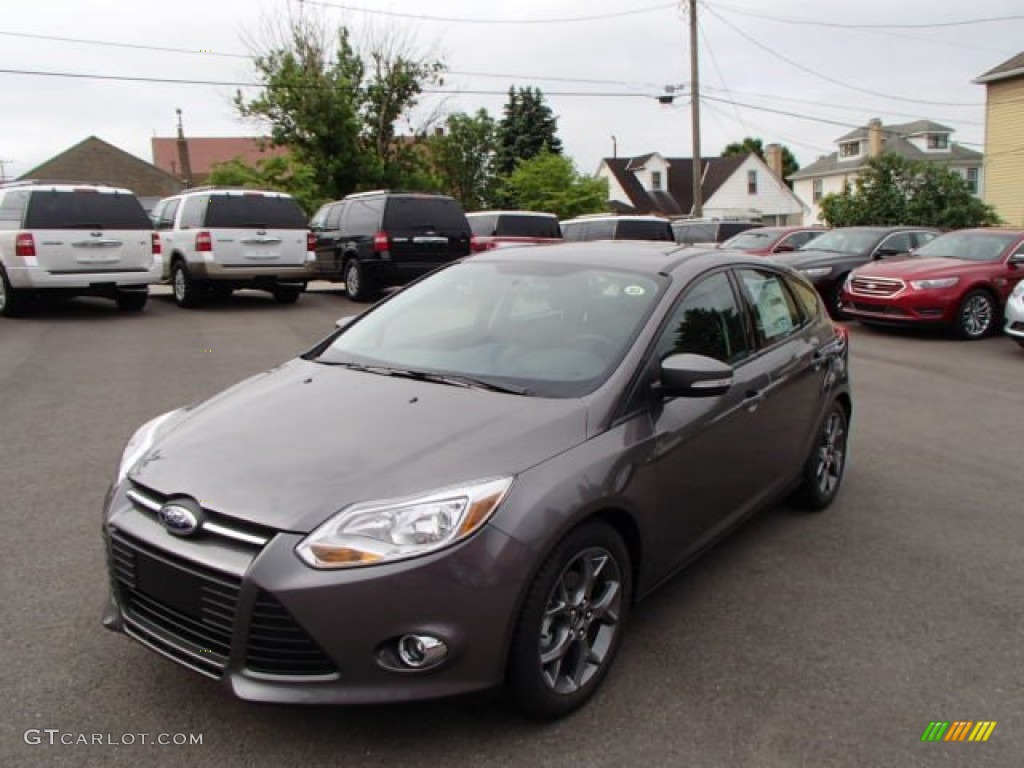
(843, 25)
(721, 77)
(472, 20)
(828, 79)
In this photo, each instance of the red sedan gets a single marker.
(960, 280)
(764, 241)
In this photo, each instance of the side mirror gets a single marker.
(785, 248)
(344, 322)
(688, 375)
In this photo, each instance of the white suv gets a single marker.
(76, 240)
(216, 240)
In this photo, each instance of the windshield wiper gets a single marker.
(451, 379)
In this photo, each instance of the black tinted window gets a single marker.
(898, 243)
(511, 225)
(643, 230)
(800, 239)
(707, 322)
(362, 216)
(694, 233)
(85, 209)
(424, 214)
(727, 229)
(254, 211)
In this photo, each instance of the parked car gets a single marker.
(1015, 313)
(709, 232)
(602, 227)
(474, 481)
(372, 240)
(960, 280)
(764, 241)
(217, 240)
(74, 239)
(828, 259)
(499, 229)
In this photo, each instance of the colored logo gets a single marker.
(958, 730)
(181, 517)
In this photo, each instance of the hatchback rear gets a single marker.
(74, 239)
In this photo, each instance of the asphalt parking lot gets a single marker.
(828, 640)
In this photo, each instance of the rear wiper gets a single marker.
(83, 225)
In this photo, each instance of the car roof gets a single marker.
(988, 230)
(512, 213)
(881, 230)
(614, 217)
(64, 186)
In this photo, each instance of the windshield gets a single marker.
(85, 209)
(549, 329)
(844, 241)
(752, 239)
(973, 246)
(254, 211)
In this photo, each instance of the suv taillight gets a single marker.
(204, 243)
(24, 245)
(381, 242)
(157, 247)
(310, 241)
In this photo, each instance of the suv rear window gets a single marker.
(511, 225)
(424, 214)
(85, 209)
(254, 212)
(694, 233)
(643, 230)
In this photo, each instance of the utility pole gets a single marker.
(698, 202)
(183, 157)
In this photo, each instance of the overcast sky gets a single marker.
(638, 54)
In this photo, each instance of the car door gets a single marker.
(707, 453)
(790, 346)
(327, 227)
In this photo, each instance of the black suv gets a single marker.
(372, 240)
(709, 231)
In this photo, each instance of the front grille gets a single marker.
(876, 286)
(279, 646)
(176, 603)
(877, 309)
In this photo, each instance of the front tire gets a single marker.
(131, 301)
(976, 316)
(571, 624)
(188, 292)
(823, 471)
(13, 302)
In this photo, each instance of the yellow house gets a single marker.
(1004, 139)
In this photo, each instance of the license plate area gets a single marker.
(174, 587)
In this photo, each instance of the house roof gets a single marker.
(914, 128)
(97, 161)
(677, 198)
(205, 151)
(1012, 67)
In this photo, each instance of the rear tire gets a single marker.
(13, 302)
(131, 301)
(286, 295)
(976, 316)
(188, 293)
(823, 471)
(357, 285)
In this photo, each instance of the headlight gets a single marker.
(816, 272)
(141, 442)
(374, 532)
(928, 285)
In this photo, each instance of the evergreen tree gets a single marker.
(528, 128)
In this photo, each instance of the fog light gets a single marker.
(421, 651)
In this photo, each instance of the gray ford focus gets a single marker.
(473, 483)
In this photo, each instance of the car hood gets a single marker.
(914, 267)
(290, 447)
(805, 259)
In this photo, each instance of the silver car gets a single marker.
(1015, 314)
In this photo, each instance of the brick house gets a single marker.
(205, 151)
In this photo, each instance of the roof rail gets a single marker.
(32, 182)
(370, 192)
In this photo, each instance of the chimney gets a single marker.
(874, 137)
(186, 165)
(773, 157)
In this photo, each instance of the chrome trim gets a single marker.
(144, 501)
(887, 287)
(217, 529)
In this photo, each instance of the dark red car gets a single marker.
(960, 280)
(764, 241)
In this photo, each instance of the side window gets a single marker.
(571, 231)
(192, 212)
(320, 217)
(920, 238)
(362, 217)
(708, 321)
(800, 239)
(334, 216)
(807, 296)
(166, 214)
(12, 208)
(893, 244)
(776, 314)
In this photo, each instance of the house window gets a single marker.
(751, 182)
(655, 179)
(972, 180)
(817, 189)
(849, 149)
(938, 141)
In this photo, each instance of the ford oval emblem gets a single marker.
(180, 517)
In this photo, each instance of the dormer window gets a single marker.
(849, 149)
(938, 141)
(656, 180)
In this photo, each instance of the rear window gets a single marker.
(254, 212)
(694, 233)
(643, 230)
(425, 214)
(85, 209)
(511, 225)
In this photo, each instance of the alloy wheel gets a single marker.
(581, 620)
(180, 288)
(831, 454)
(352, 279)
(976, 315)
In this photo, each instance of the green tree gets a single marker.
(336, 107)
(528, 128)
(464, 158)
(282, 174)
(894, 190)
(551, 183)
(752, 145)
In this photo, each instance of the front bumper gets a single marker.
(272, 629)
(1015, 318)
(909, 307)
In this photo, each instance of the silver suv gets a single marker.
(217, 240)
(74, 239)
